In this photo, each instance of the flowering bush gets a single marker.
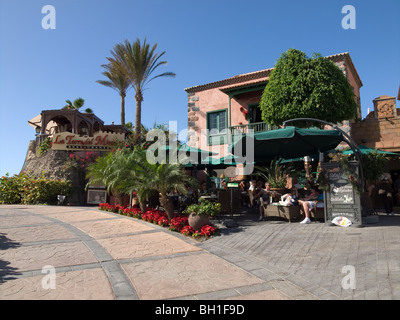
(178, 223)
(187, 231)
(79, 161)
(207, 230)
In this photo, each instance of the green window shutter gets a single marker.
(217, 127)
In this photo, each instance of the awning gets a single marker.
(365, 150)
(36, 122)
(290, 142)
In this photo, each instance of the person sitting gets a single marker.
(243, 186)
(309, 203)
(251, 193)
(385, 192)
(264, 196)
(203, 190)
(290, 199)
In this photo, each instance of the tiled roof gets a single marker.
(233, 80)
(263, 75)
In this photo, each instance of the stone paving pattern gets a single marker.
(101, 255)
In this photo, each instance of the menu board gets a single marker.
(341, 200)
(341, 189)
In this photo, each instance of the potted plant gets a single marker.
(199, 214)
(276, 174)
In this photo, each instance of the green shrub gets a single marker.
(10, 189)
(28, 189)
(44, 146)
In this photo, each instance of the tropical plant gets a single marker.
(374, 165)
(139, 62)
(132, 174)
(164, 177)
(302, 87)
(276, 173)
(76, 105)
(126, 170)
(117, 80)
(105, 171)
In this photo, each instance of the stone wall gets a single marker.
(381, 128)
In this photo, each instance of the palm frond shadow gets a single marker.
(6, 271)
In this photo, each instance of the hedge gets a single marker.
(27, 189)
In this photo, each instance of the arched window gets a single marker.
(83, 128)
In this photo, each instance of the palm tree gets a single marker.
(76, 105)
(105, 171)
(135, 173)
(117, 80)
(126, 171)
(169, 177)
(140, 62)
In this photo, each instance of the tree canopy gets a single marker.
(303, 87)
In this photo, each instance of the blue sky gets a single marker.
(204, 41)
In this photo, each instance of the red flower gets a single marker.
(207, 230)
(187, 230)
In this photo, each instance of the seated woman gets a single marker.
(309, 203)
(290, 199)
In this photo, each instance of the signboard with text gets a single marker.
(341, 200)
(101, 141)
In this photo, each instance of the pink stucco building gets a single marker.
(233, 103)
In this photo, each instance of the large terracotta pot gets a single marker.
(197, 222)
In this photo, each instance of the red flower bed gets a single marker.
(178, 223)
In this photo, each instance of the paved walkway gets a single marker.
(54, 252)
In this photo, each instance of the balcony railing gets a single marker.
(256, 126)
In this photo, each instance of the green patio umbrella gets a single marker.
(290, 142)
(200, 154)
(220, 163)
(365, 150)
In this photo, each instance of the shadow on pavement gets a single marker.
(6, 271)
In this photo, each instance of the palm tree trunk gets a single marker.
(138, 118)
(123, 109)
(142, 204)
(166, 203)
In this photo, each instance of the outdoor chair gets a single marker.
(224, 198)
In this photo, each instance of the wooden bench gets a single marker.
(292, 212)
